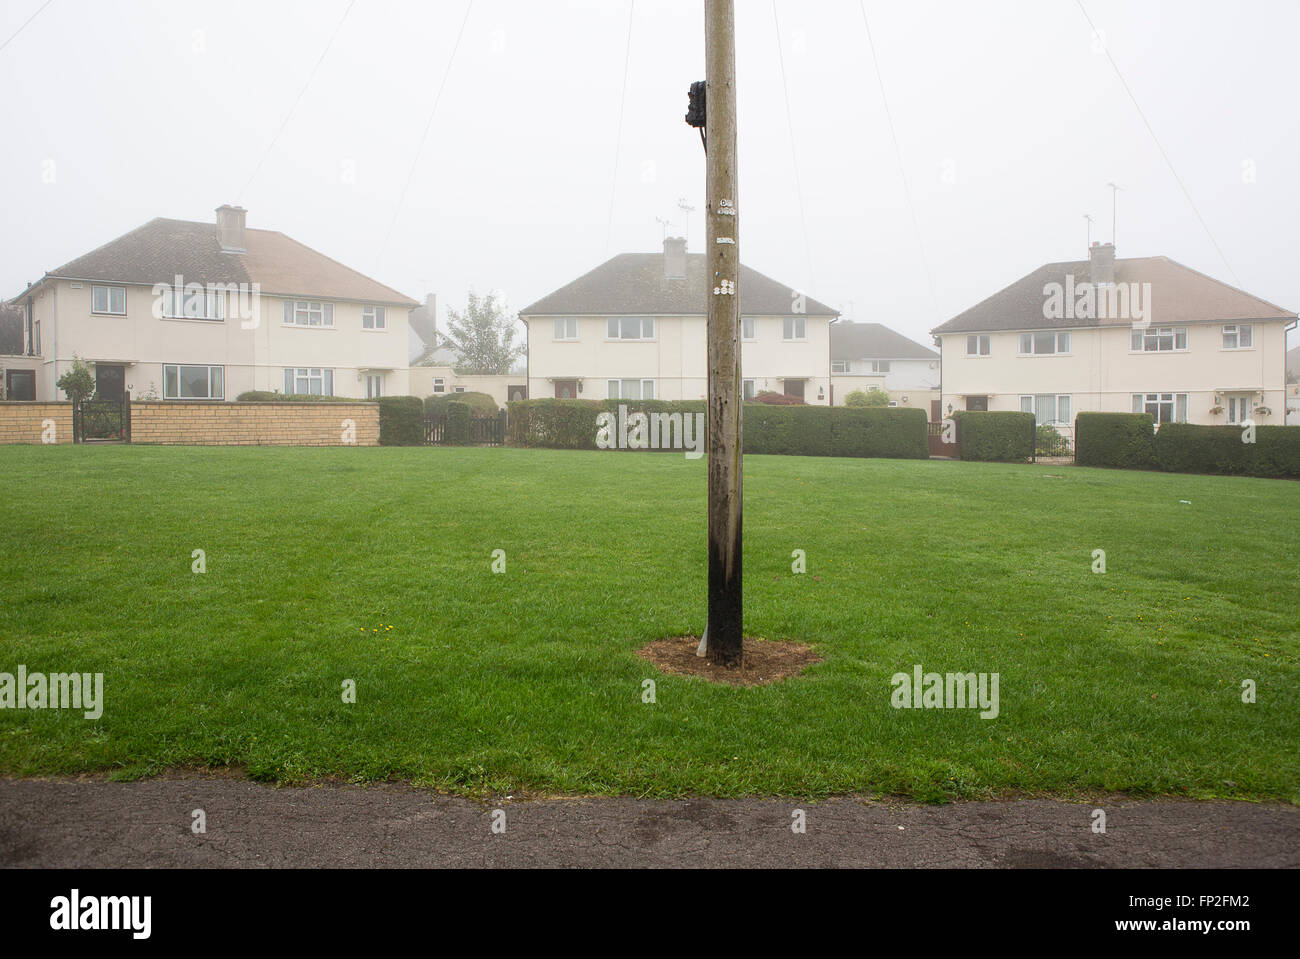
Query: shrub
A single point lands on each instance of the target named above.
(871, 398)
(776, 399)
(1114, 439)
(1005, 437)
(460, 424)
(481, 403)
(401, 421)
(796, 430)
(78, 382)
(1188, 448)
(267, 396)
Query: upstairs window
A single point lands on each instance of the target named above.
(180, 304)
(839, 366)
(1237, 336)
(794, 328)
(110, 300)
(977, 344)
(748, 328)
(566, 327)
(439, 385)
(308, 313)
(1163, 339)
(1044, 344)
(880, 366)
(372, 318)
(630, 328)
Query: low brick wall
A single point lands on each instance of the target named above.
(253, 424)
(27, 422)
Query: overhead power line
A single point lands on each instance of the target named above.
(618, 138)
(1155, 139)
(298, 99)
(25, 23)
(794, 155)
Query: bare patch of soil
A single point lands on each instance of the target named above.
(764, 661)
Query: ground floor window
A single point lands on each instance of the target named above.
(631, 389)
(439, 386)
(374, 386)
(182, 382)
(308, 381)
(20, 384)
(1163, 407)
(748, 388)
(1047, 407)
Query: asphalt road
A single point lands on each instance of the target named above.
(81, 824)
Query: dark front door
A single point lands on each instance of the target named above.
(20, 384)
(518, 393)
(936, 411)
(794, 388)
(566, 389)
(977, 404)
(110, 382)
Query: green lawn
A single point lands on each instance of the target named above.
(1128, 681)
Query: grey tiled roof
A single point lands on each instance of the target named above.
(873, 341)
(1179, 294)
(634, 283)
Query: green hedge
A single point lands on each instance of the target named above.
(266, 396)
(459, 430)
(401, 421)
(1186, 448)
(1003, 437)
(791, 430)
(1114, 439)
(481, 403)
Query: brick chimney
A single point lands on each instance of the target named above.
(1102, 266)
(675, 257)
(230, 228)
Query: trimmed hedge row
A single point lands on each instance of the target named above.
(482, 403)
(788, 430)
(1114, 439)
(998, 436)
(1126, 440)
(459, 430)
(401, 421)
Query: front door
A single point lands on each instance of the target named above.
(20, 384)
(110, 382)
(936, 411)
(518, 393)
(794, 388)
(566, 389)
(977, 404)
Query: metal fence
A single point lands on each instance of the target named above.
(102, 421)
(1053, 441)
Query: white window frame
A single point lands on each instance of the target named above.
(439, 385)
(614, 388)
(214, 305)
(300, 313)
(219, 393)
(1177, 403)
(302, 376)
(1060, 343)
(1239, 406)
(1139, 338)
(839, 366)
(374, 385)
(458, 389)
(566, 329)
(983, 344)
(1238, 332)
(109, 290)
(794, 329)
(619, 324)
(880, 366)
(749, 328)
(748, 390)
(372, 318)
(1029, 404)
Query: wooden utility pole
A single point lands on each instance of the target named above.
(722, 280)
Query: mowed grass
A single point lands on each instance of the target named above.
(528, 681)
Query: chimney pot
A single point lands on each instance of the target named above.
(230, 228)
(675, 257)
(1101, 264)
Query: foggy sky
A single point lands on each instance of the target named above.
(1010, 121)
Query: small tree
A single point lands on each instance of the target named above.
(78, 382)
(872, 397)
(483, 336)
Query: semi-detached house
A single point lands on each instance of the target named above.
(635, 328)
(182, 310)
